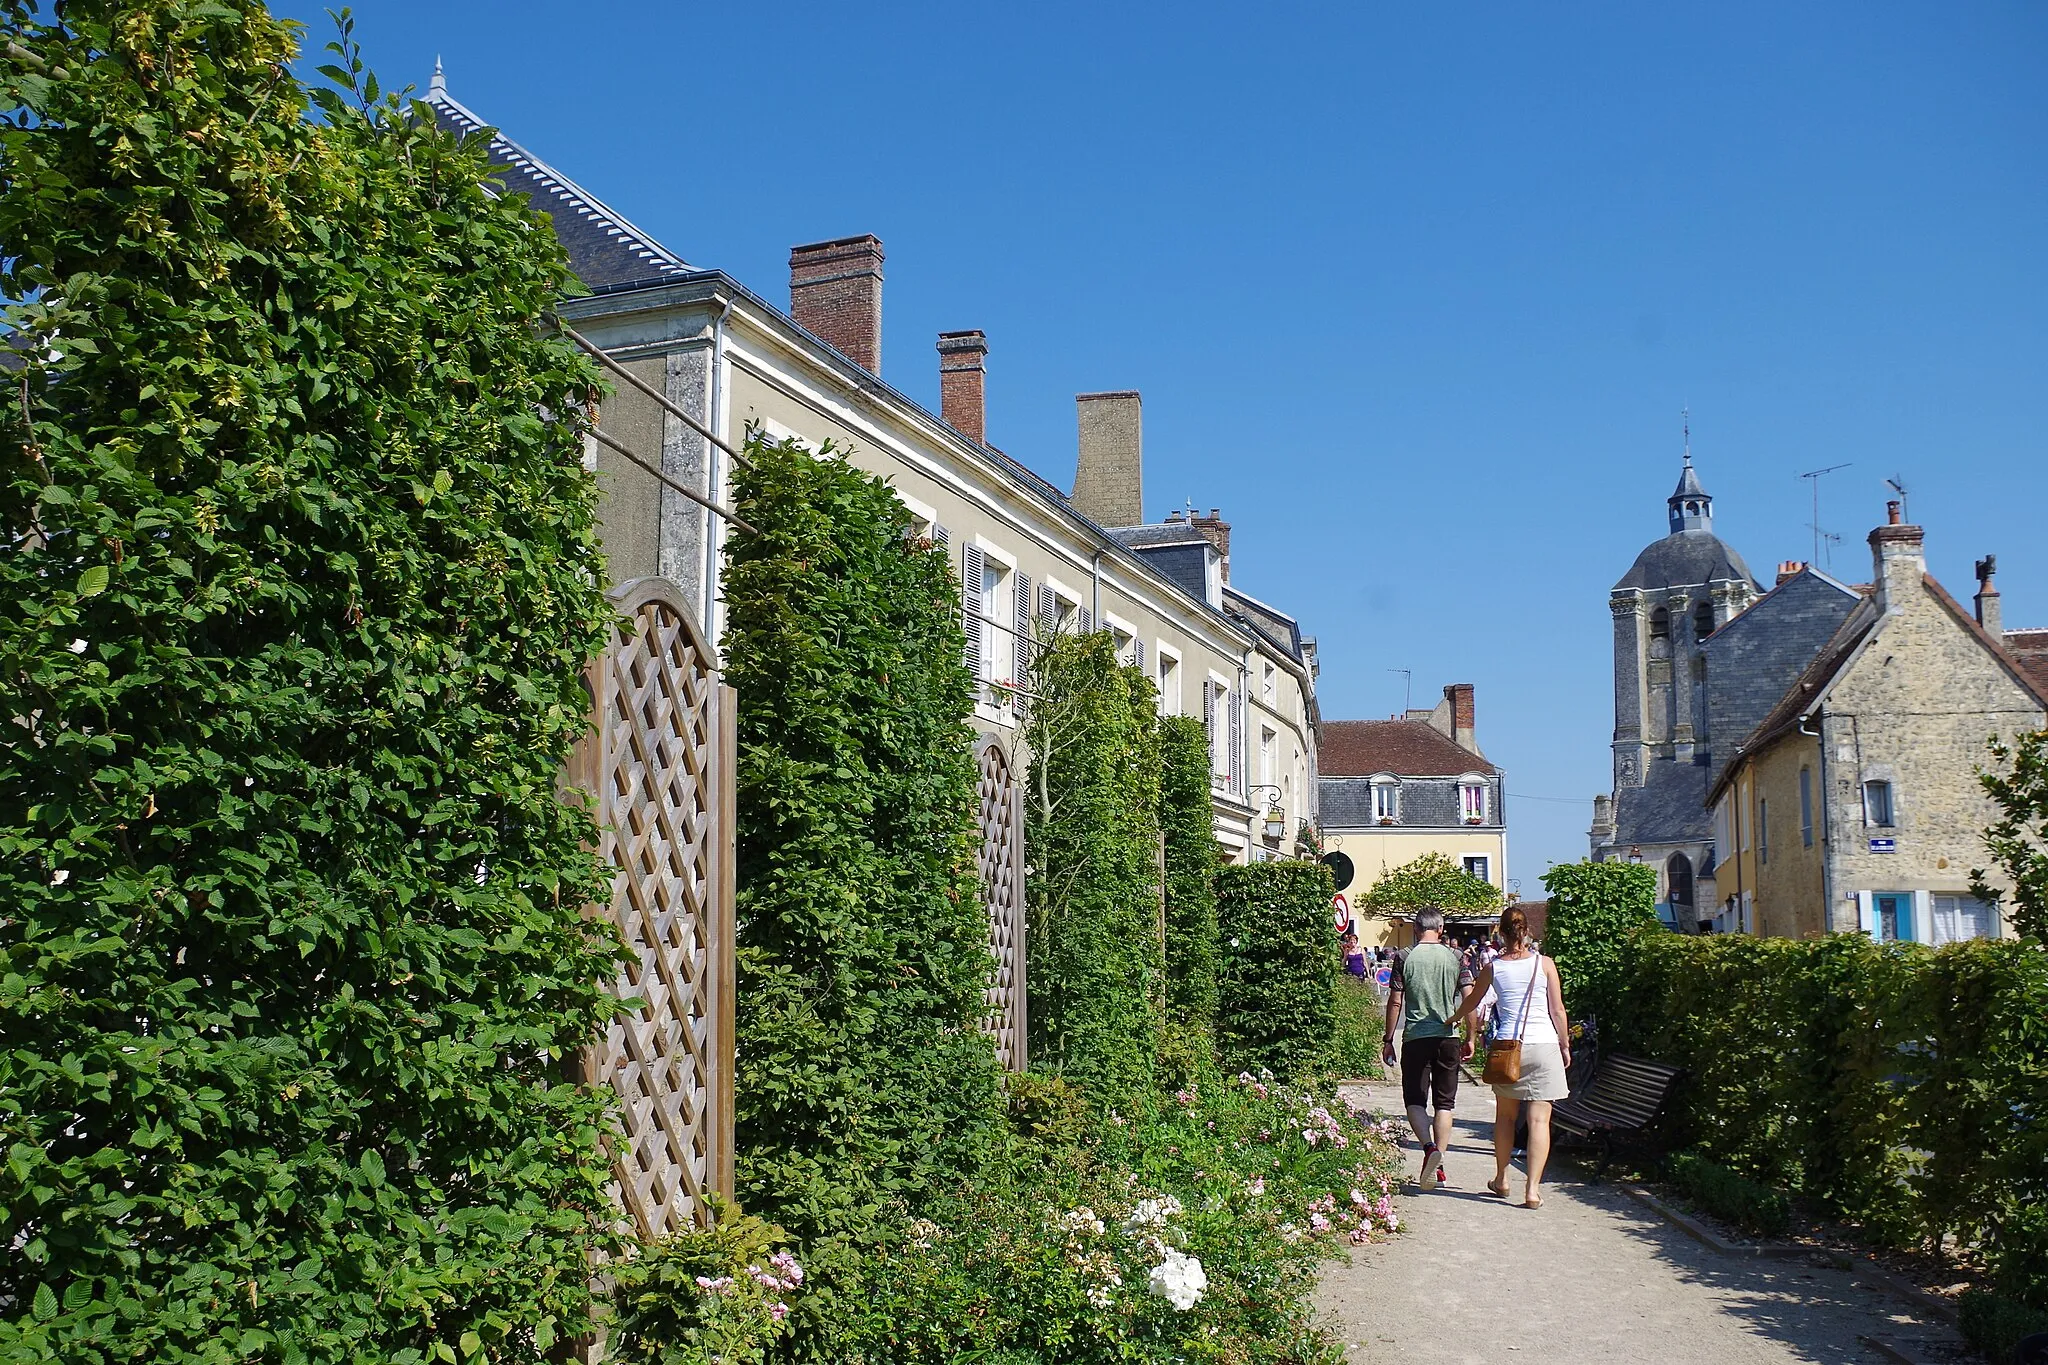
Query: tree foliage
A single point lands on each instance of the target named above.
(1432, 881)
(299, 582)
(1095, 970)
(1278, 1007)
(1594, 909)
(1187, 818)
(2018, 841)
(863, 944)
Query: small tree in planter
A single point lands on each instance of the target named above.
(1432, 881)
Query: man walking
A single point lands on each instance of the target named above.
(1429, 982)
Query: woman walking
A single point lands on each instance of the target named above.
(1529, 1009)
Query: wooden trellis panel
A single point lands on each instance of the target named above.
(660, 761)
(1002, 892)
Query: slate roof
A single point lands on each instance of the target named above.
(605, 250)
(1688, 484)
(1405, 748)
(1158, 533)
(1669, 808)
(1280, 630)
(1757, 655)
(1686, 558)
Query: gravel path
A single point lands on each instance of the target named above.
(1590, 1278)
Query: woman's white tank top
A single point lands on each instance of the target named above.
(1512, 980)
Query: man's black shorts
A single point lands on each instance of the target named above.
(1430, 1065)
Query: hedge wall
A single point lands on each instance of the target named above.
(298, 589)
(863, 1076)
(1277, 1006)
(1594, 910)
(1187, 817)
(1095, 971)
(1903, 1087)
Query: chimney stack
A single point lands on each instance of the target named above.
(1109, 477)
(963, 368)
(1788, 570)
(1464, 717)
(1216, 531)
(1898, 560)
(835, 294)
(1989, 614)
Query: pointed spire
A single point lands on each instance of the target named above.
(437, 88)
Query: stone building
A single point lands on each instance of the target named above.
(1026, 552)
(1393, 790)
(1677, 594)
(1854, 802)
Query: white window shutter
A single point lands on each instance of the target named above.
(941, 537)
(1048, 606)
(970, 615)
(1209, 714)
(1866, 913)
(1087, 621)
(1138, 655)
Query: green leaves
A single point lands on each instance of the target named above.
(1278, 1008)
(1594, 910)
(240, 968)
(1431, 881)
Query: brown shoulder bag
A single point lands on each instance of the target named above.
(1504, 1055)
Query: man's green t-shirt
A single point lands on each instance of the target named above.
(1433, 978)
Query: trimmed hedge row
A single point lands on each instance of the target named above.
(1904, 1087)
(1187, 819)
(1276, 1002)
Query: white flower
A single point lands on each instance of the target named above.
(1152, 1213)
(1179, 1280)
(1081, 1221)
(78, 646)
(60, 876)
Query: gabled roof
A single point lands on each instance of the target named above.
(1278, 629)
(2029, 649)
(605, 250)
(1405, 748)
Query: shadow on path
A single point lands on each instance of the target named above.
(1590, 1278)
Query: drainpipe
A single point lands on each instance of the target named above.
(714, 540)
(1827, 847)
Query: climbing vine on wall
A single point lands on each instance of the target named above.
(1096, 972)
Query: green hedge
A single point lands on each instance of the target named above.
(1277, 1006)
(1749, 1204)
(1996, 1325)
(863, 1076)
(1901, 1086)
(1361, 1025)
(1594, 909)
(1095, 972)
(298, 588)
(1187, 818)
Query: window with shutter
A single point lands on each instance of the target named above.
(1048, 607)
(1237, 742)
(941, 537)
(1087, 619)
(1209, 720)
(970, 615)
(1023, 624)
(1138, 654)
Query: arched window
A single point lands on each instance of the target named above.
(1678, 878)
(1703, 620)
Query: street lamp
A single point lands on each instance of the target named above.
(1276, 819)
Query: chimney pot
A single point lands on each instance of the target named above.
(1891, 513)
(1789, 569)
(1464, 715)
(1216, 531)
(1109, 476)
(963, 373)
(1990, 613)
(835, 293)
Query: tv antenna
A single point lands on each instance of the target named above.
(1897, 483)
(1818, 534)
(1407, 688)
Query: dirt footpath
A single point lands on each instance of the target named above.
(1590, 1278)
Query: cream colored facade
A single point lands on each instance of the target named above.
(1374, 852)
(1857, 804)
(738, 363)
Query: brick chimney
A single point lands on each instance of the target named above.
(1898, 560)
(1214, 529)
(963, 366)
(1788, 570)
(1109, 477)
(1464, 718)
(1989, 613)
(835, 294)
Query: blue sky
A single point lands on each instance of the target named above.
(1414, 297)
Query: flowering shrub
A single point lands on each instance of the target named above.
(719, 1295)
(1185, 1230)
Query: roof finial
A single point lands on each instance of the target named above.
(438, 86)
(1685, 420)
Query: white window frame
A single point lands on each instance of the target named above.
(1891, 804)
(1066, 607)
(923, 516)
(1938, 932)
(1386, 798)
(998, 626)
(1485, 861)
(1269, 686)
(1219, 729)
(1467, 785)
(1170, 700)
(1123, 635)
(1269, 746)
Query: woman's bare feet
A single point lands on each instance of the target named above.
(1499, 1187)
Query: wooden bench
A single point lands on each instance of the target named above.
(1626, 1095)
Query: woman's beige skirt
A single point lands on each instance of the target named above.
(1542, 1072)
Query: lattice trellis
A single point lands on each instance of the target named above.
(660, 760)
(1002, 892)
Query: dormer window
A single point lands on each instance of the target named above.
(1472, 794)
(1386, 799)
